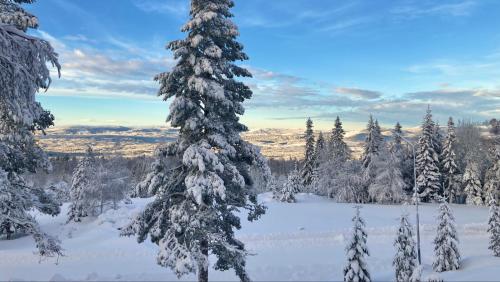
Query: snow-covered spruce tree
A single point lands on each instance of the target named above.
(396, 144)
(438, 139)
(290, 188)
(155, 179)
(193, 214)
(494, 227)
(274, 187)
(320, 149)
(24, 72)
(446, 253)
(356, 252)
(339, 149)
(295, 180)
(428, 174)
(84, 191)
(472, 184)
(492, 179)
(309, 156)
(388, 184)
(405, 259)
(405, 156)
(372, 142)
(449, 165)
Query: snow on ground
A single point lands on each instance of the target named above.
(300, 241)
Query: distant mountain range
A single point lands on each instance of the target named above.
(132, 141)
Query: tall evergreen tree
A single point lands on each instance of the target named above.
(320, 149)
(307, 171)
(449, 164)
(428, 174)
(338, 147)
(494, 228)
(372, 142)
(405, 156)
(84, 191)
(396, 145)
(472, 184)
(356, 252)
(193, 213)
(406, 256)
(446, 253)
(24, 72)
(379, 135)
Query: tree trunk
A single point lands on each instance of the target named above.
(203, 267)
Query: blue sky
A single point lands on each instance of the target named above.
(310, 58)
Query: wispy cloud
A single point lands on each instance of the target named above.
(179, 8)
(359, 93)
(88, 71)
(425, 8)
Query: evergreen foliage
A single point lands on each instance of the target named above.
(472, 184)
(494, 228)
(24, 61)
(193, 214)
(339, 149)
(446, 253)
(428, 174)
(307, 172)
(356, 252)
(84, 192)
(406, 256)
(449, 165)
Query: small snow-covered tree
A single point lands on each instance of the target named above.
(339, 150)
(446, 253)
(357, 251)
(194, 213)
(290, 188)
(405, 259)
(449, 165)
(307, 171)
(388, 184)
(24, 72)
(274, 187)
(428, 174)
(472, 184)
(494, 227)
(84, 191)
(295, 180)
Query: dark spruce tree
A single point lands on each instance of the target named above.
(24, 72)
(339, 149)
(451, 173)
(372, 142)
(307, 172)
(194, 211)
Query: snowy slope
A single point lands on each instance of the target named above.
(302, 241)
